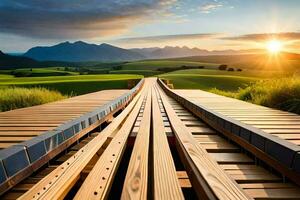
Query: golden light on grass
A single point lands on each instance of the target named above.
(274, 46)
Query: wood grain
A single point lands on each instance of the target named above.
(136, 180)
(214, 181)
(166, 184)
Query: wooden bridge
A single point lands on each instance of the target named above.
(149, 142)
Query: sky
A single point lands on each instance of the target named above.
(205, 24)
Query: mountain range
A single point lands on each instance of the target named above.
(81, 52)
(176, 52)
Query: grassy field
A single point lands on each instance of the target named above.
(157, 64)
(75, 85)
(284, 62)
(12, 97)
(208, 79)
(42, 72)
(280, 93)
(145, 73)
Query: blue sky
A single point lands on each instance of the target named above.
(206, 24)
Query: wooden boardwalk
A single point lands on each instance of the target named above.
(163, 145)
(23, 124)
(281, 124)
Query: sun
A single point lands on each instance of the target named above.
(274, 46)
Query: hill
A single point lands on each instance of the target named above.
(262, 61)
(7, 61)
(81, 52)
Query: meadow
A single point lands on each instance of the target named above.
(19, 92)
(206, 79)
(280, 93)
(157, 64)
(13, 97)
(70, 85)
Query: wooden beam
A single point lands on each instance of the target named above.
(214, 182)
(166, 183)
(136, 180)
(98, 183)
(59, 182)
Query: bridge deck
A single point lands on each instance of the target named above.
(281, 124)
(23, 124)
(164, 145)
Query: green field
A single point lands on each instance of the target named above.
(145, 73)
(157, 64)
(208, 79)
(75, 85)
(284, 62)
(42, 72)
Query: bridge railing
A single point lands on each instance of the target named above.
(19, 161)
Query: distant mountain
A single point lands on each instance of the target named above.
(8, 61)
(175, 52)
(82, 52)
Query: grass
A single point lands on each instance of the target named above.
(279, 93)
(214, 72)
(5, 76)
(209, 79)
(42, 72)
(156, 64)
(145, 73)
(284, 62)
(75, 85)
(13, 97)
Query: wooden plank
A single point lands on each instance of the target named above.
(166, 184)
(201, 130)
(98, 182)
(7, 144)
(33, 121)
(288, 136)
(266, 185)
(214, 182)
(274, 193)
(136, 180)
(219, 147)
(25, 128)
(229, 158)
(57, 184)
(273, 160)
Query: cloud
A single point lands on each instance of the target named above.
(265, 36)
(169, 38)
(73, 19)
(209, 7)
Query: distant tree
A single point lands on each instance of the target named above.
(239, 70)
(222, 67)
(200, 67)
(230, 69)
(118, 67)
(31, 69)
